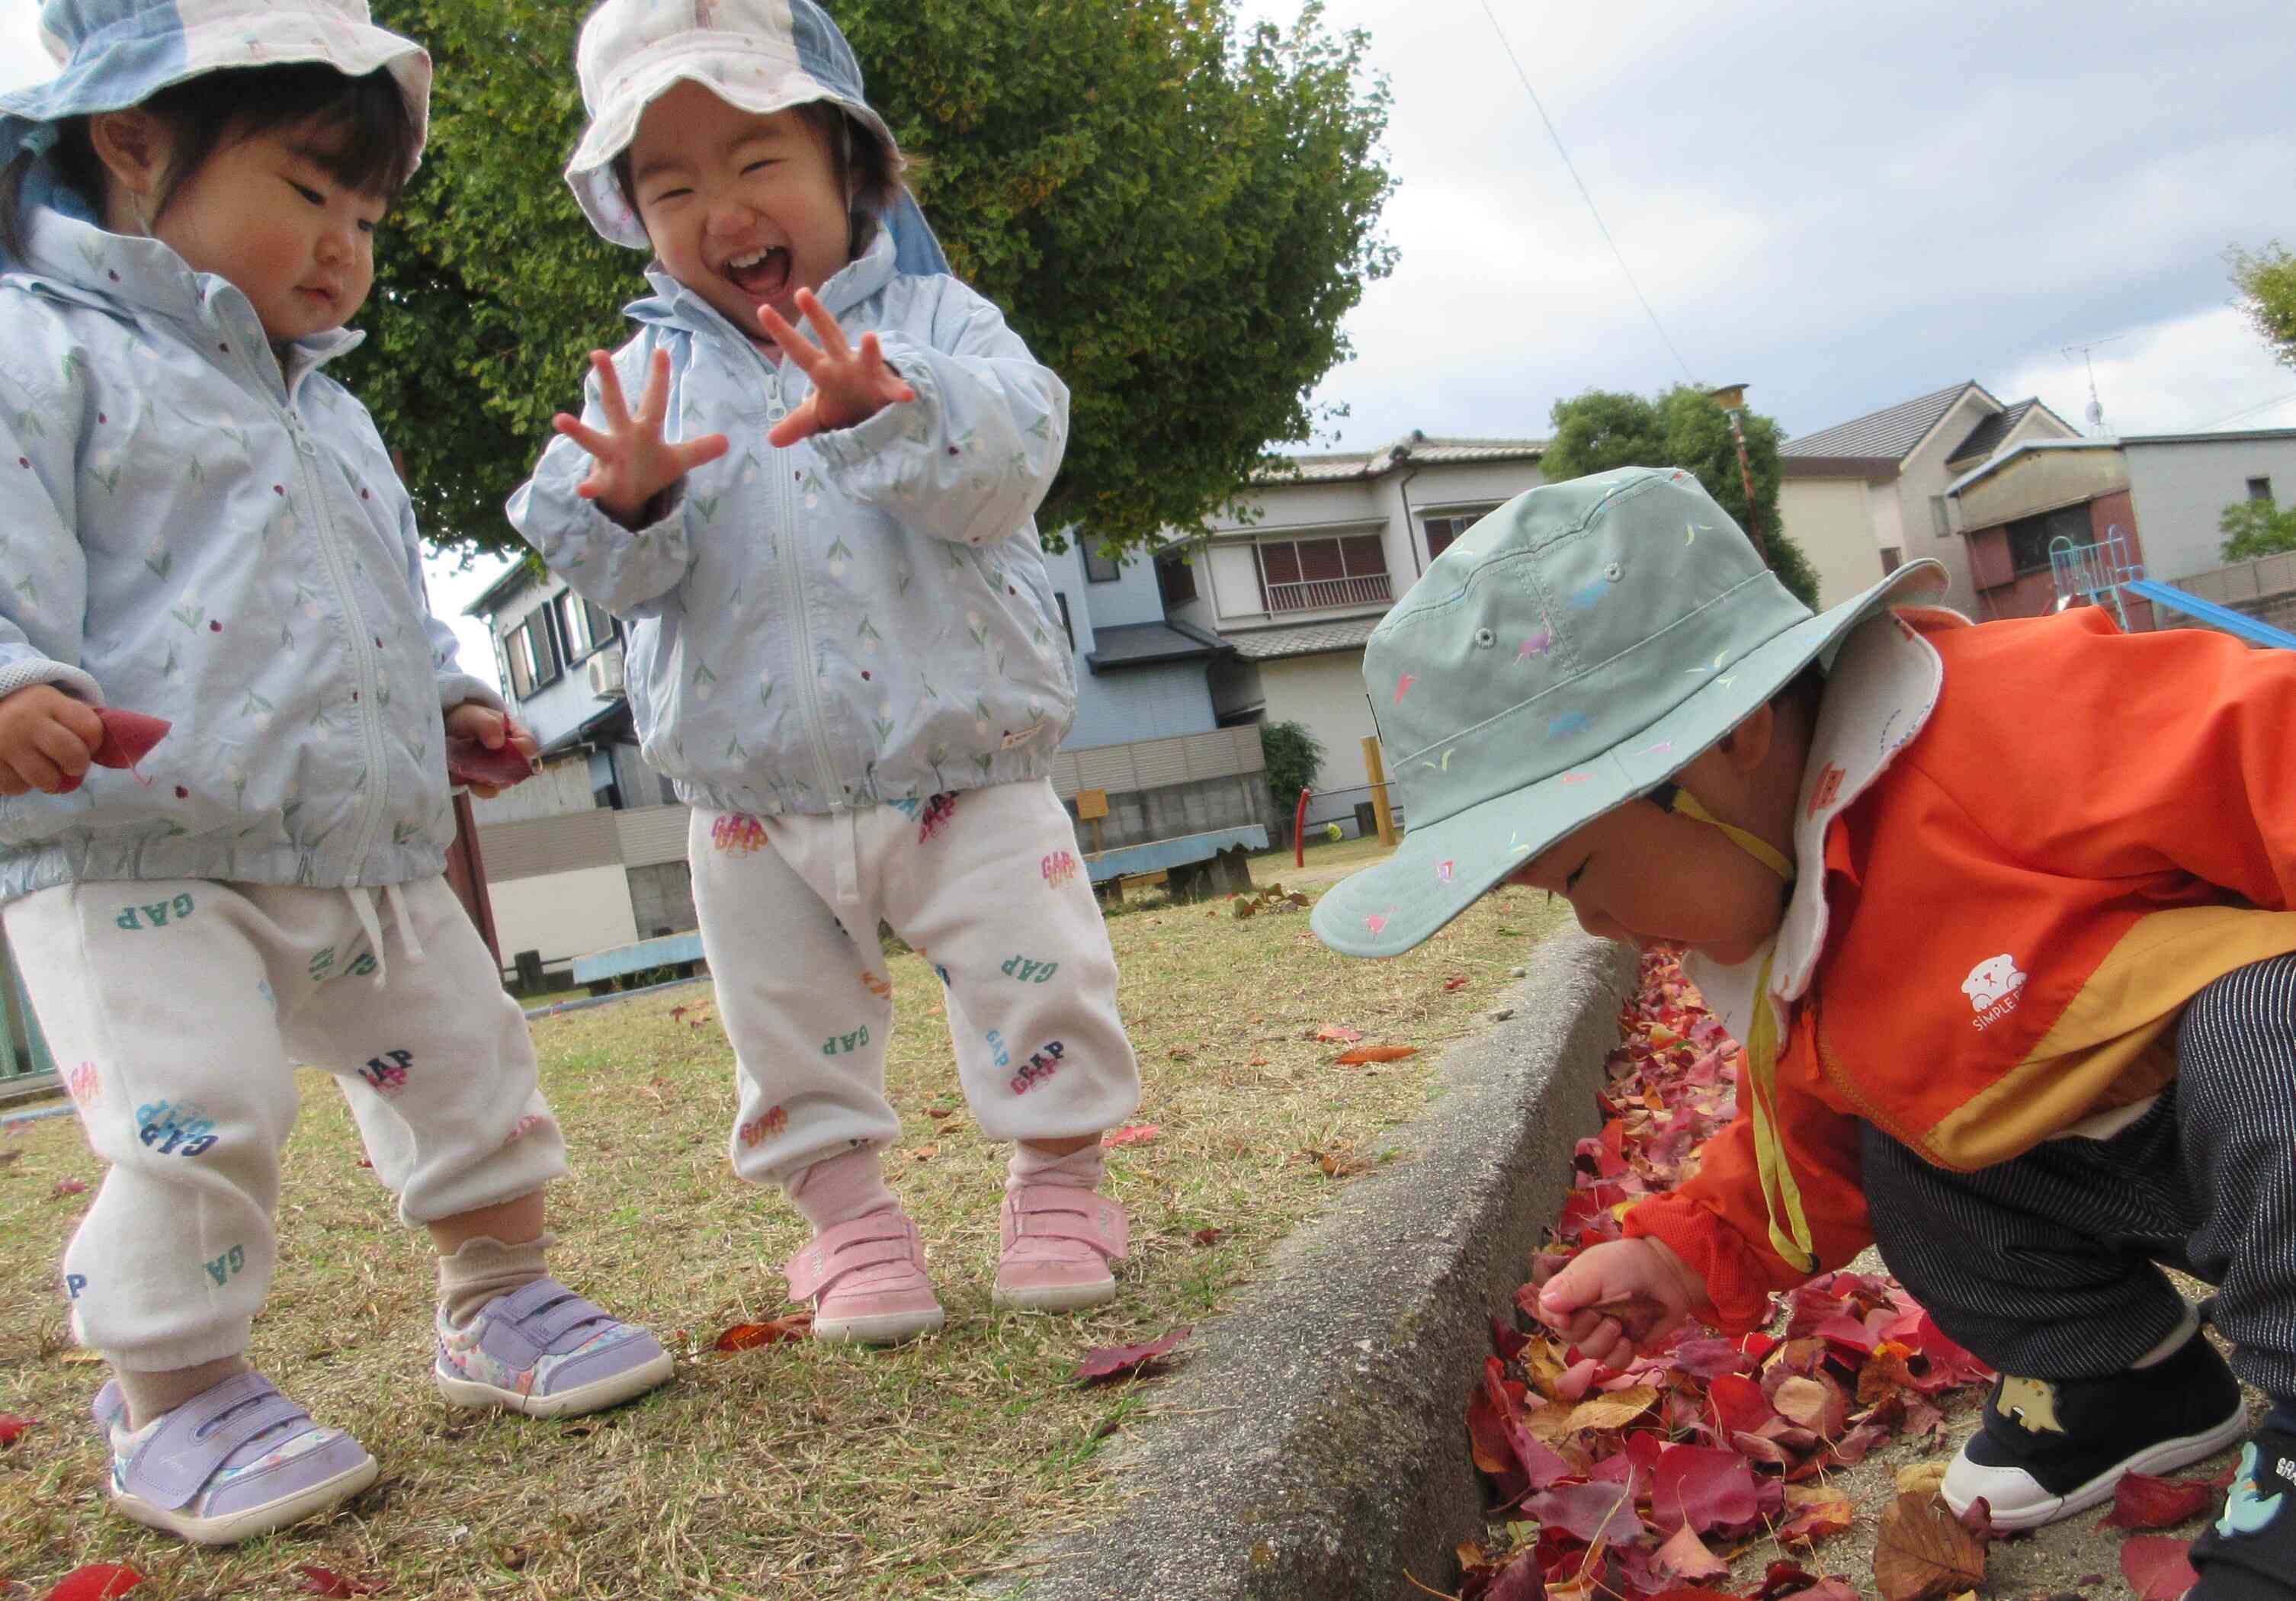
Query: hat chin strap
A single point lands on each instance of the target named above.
(1752, 844)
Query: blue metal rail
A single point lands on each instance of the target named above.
(2239, 624)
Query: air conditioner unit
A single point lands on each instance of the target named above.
(606, 671)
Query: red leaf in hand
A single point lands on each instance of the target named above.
(1638, 1315)
(468, 761)
(2141, 1501)
(1116, 1361)
(97, 1581)
(2156, 1568)
(325, 1582)
(12, 1426)
(1374, 1053)
(1136, 1134)
(1702, 1486)
(773, 1331)
(129, 737)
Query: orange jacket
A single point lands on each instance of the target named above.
(2088, 829)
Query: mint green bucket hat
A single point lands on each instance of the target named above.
(1573, 650)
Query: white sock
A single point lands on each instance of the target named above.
(1078, 1169)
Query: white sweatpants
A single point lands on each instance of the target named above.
(985, 886)
(176, 1010)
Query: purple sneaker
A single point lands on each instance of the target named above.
(545, 1352)
(238, 1461)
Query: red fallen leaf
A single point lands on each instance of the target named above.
(1703, 1486)
(1507, 1339)
(129, 737)
(1134, 1134)
(12, 1426)
(1519, 1581)
(325, 1582)
(1784, 1579)
(1208, 1236)
(71, 1187)
(1739, 1403)
(468, 761)
(1922, 1550)
(1331, 1033)
(1685, 1557)
(1117, 1361)
(1977, 1517)
(1454, 983)
(2139, 1501)
(773, 1331)
(1590, 1512)
(1374, 1053)
(1695, 1593)
(97, 1581)
(938, 1113)
(1817, 1512)
(2156, 1567)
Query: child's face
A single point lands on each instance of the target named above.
(263, 213)
(745, 210)
(1651, 876)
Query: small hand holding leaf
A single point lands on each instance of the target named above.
(850, 386)
(487, 753)
(632, 462)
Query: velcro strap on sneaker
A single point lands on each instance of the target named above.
(1057, 1211)
(566, 1325)
(200, 1436)
(864, 1243)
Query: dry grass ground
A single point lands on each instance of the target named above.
(795, 1471)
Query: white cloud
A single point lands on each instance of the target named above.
(23, 59)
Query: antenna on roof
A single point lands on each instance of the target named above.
(2096, 428)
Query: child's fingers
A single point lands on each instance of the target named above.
(832, 336)
(589, 439)
(653, 406)
(802, 423)
(610, 392)
(34, 771)
(794, 345)
(64, 750)
(80, 719)
(701, 452)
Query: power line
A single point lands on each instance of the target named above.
(2246, 411)
(1593, 210)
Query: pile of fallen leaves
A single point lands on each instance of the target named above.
(1271, 899)
(1645, 1480)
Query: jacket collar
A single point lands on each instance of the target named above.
(115, 272)
(1883, 687)
(674, 305)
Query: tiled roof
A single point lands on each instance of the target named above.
(1889, 433)
(1148, 643)
(1413, 449)
(1986, 438)
(1307, 639)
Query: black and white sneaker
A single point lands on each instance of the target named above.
(2249, 1552)
(2051, 1448)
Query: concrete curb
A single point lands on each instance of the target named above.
(1313, 1444)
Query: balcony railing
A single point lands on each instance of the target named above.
(1317, 595)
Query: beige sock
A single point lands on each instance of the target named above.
(1078, 1169)
(151, 1395)
(484, 1269)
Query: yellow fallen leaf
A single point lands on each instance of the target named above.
(1615, 1410)
(1922, 1478)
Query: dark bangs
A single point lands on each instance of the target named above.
(356, 130)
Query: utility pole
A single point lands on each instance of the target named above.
(1732, 399)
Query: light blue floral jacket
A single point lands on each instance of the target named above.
(864, 618)
(183, 532)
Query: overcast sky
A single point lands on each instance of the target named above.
(1840, 206)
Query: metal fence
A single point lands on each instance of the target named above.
(25, 1068)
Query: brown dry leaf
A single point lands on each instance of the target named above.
(940, 1112)
(1638, 1315)
(1924, 1551)
(1336, 1165)
(1922, 1478)
(1614, 1411)
(924, 1152)
(1332, 1033)
(1803, 1401)
(1374, 1053)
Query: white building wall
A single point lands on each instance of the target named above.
(2180, 490)
(565, 915)
(564, 785)
(1326, 693)
(1832, 520)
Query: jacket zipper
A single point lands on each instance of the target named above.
(362, 650)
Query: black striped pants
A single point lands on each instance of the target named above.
(2045, 1266)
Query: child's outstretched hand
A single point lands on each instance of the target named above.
(47, 741)
(850, 386)
(500, 754)
(1615, 1297)
(632, 463)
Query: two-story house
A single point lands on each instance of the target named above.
(1295, 584)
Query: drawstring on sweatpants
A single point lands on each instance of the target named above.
(363, 907)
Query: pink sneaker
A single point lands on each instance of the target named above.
(1058, 1244)
(866, 1281)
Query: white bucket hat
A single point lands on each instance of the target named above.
(761, 55)
(118, 53)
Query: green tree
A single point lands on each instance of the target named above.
(2267, 279)
(1294, 758)
(2256, 528)
(1176, 211)
(1600, 431)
